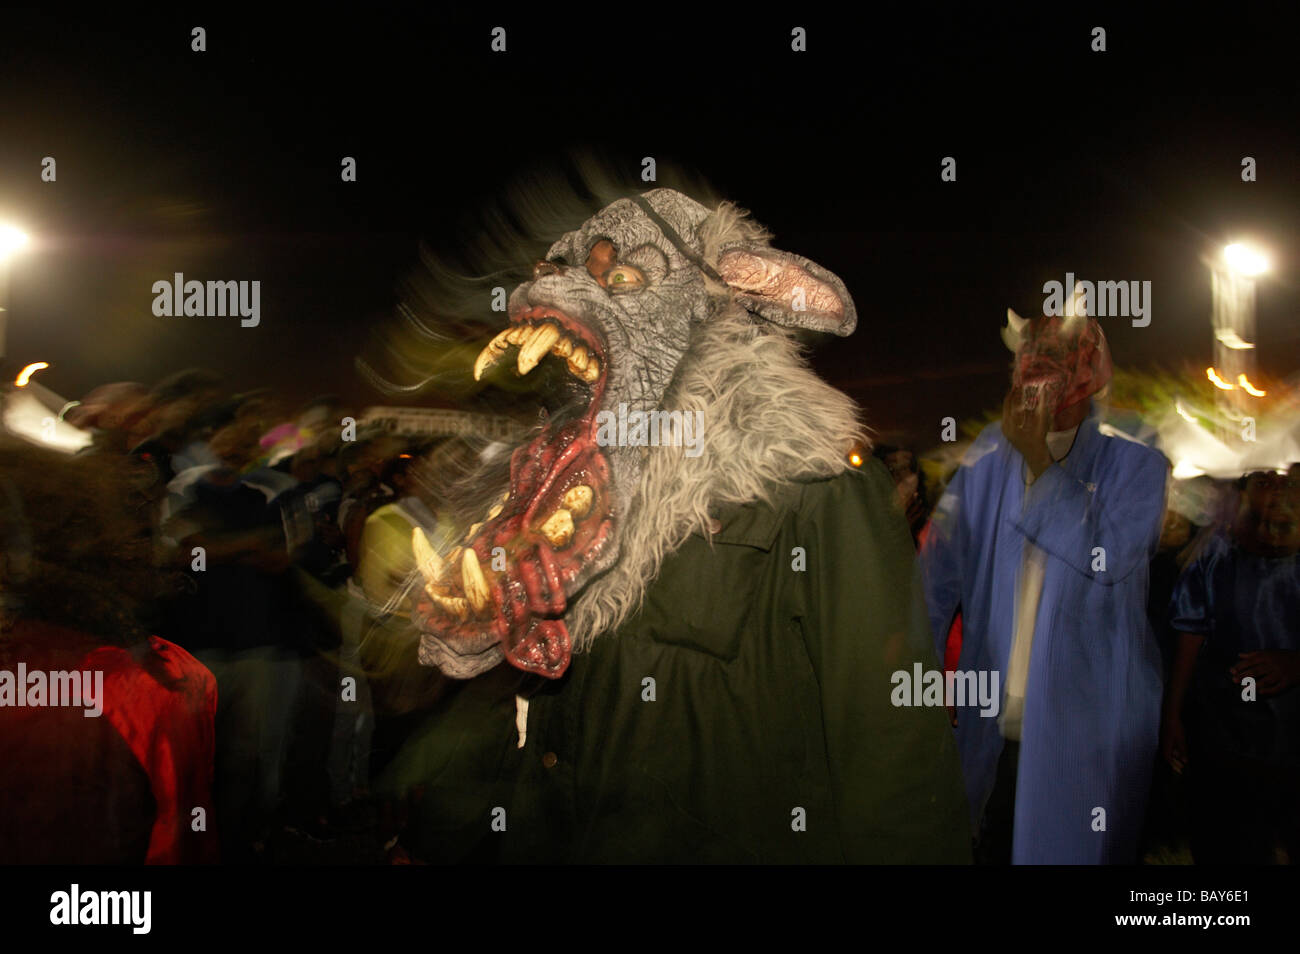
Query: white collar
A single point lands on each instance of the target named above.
(1059, 443)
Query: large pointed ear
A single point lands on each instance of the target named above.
(788, 289)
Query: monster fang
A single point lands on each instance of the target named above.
(534, 343)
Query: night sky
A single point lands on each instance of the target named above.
(1123, 165)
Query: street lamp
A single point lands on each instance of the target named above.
(12, 240)
(1245, 260)
(1233, 292)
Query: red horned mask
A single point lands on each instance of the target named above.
(1060, 360)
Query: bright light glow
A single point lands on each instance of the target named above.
(1244, 260)
(1186, 470)
(855, 460)
(1248, 387)
(26, 373)
(1183, 414)
(11, 240)
(1217, 381)
(29, 418)
(1230, 339)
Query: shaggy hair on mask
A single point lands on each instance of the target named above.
(768, 420)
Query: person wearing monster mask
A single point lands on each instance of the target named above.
(678, 623)
(1043, 540)
(1232, 711)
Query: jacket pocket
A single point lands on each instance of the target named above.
(707, 599)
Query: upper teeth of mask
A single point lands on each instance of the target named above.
(533, 344)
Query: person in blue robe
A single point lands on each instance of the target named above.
(1232, 710)
(1043, 540)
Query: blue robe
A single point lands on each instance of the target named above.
(1092, 706)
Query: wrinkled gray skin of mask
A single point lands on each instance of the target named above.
(648, 330)
(644, 329)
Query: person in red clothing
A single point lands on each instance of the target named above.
(119, 769)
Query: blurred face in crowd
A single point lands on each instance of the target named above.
(126, 414)
(140, 414)
(307, 464)
(167, 419)
(368, 463)
(111, 410)
(236, 444)
(900, 464)
(1175, 531)
(1267, 518)
(901, 469)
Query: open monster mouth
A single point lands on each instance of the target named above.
(1041, 388)
(509, 582)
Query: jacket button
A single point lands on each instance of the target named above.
(715, 525)
(549, 760)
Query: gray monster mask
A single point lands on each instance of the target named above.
(616, 303)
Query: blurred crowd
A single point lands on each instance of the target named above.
(269, 542)
(239, 569)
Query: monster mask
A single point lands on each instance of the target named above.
(1060, 361)
(615, 307)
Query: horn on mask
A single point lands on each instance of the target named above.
(1077, 306)
(1014, 331)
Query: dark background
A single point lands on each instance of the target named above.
(1123, 165)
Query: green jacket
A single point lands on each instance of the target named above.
(768, 733)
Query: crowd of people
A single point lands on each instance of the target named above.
(232, 554)
(240, 572)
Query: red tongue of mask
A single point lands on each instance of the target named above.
(533, 555)
(1065, 356)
